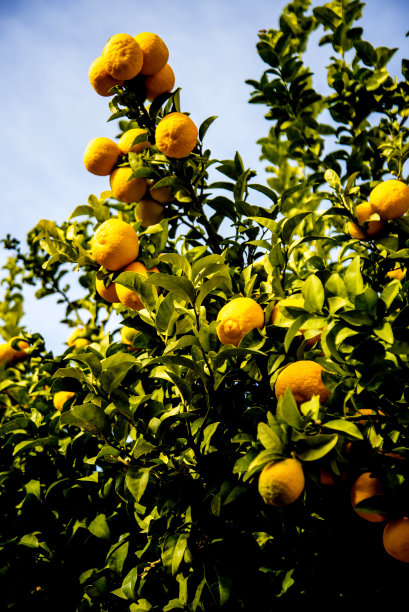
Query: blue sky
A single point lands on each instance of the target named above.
(49, 112)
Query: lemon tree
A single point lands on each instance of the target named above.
(224, 445)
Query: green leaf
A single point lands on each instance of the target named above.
(108, 451)
(140, 285)
(89, 417)
(326, 16)
(181, 343)
(17, 423)
(266, 456)
(268, 437)
(366, 52)
(178, 261)
(293, 330)
(38, 442)
(207, 436)
(216, 282)
(315, 447)
(129, 583)
(30, 540)
(184, 389)
(291, 223)
(178, 360)
(99, 527)
(71, 373)
(265, 222)
(92, 361)
(346, 427)
(313, 291)
(228, 353)
(385, 332)
(225, 585)
(143, 605)
(173, 551)
(264, 190)
(137, 481)
(198, 594)
(141, 448)
(288, 412)
(115, 368)
(166, 314)
(205, 126)
(203, 262)
(180, 286)
(390, 292)
(178, 552)
(117, 554)
(81, 210)
(332, 179)
(353, 278)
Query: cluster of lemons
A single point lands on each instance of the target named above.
(115, 244)
(388, 200)
(123, 58)
(396, 532)
(282, 482)
(9, 355)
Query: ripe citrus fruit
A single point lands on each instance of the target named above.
(364, 487)
(60, 398)
(8, 354)
(127, 297)
(304, 380)
(159, 83)
(100, 80)
(390, 199)
(101, 155)
(282, 482)
(109, 293)
(155, 52)
(149, 212)
(396, 539)
(237, 318)
(398, 272)
(163, 195)
(125, 189)
(176, 135)
(277, 315)
(127, 138)
(78, 338)
(115, 244)
(363, 212)
(122, 57)
(128, 335)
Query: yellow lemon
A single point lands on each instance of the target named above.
(237, 318)
(127, 297)
(101, 155)
(100, 80)
(176, 135)
(281, 482)
(122, 57)
(125, 189)
(155, 52)
(115, 244)
(390, 199)
(304, 380)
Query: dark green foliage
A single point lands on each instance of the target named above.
(142, 494)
